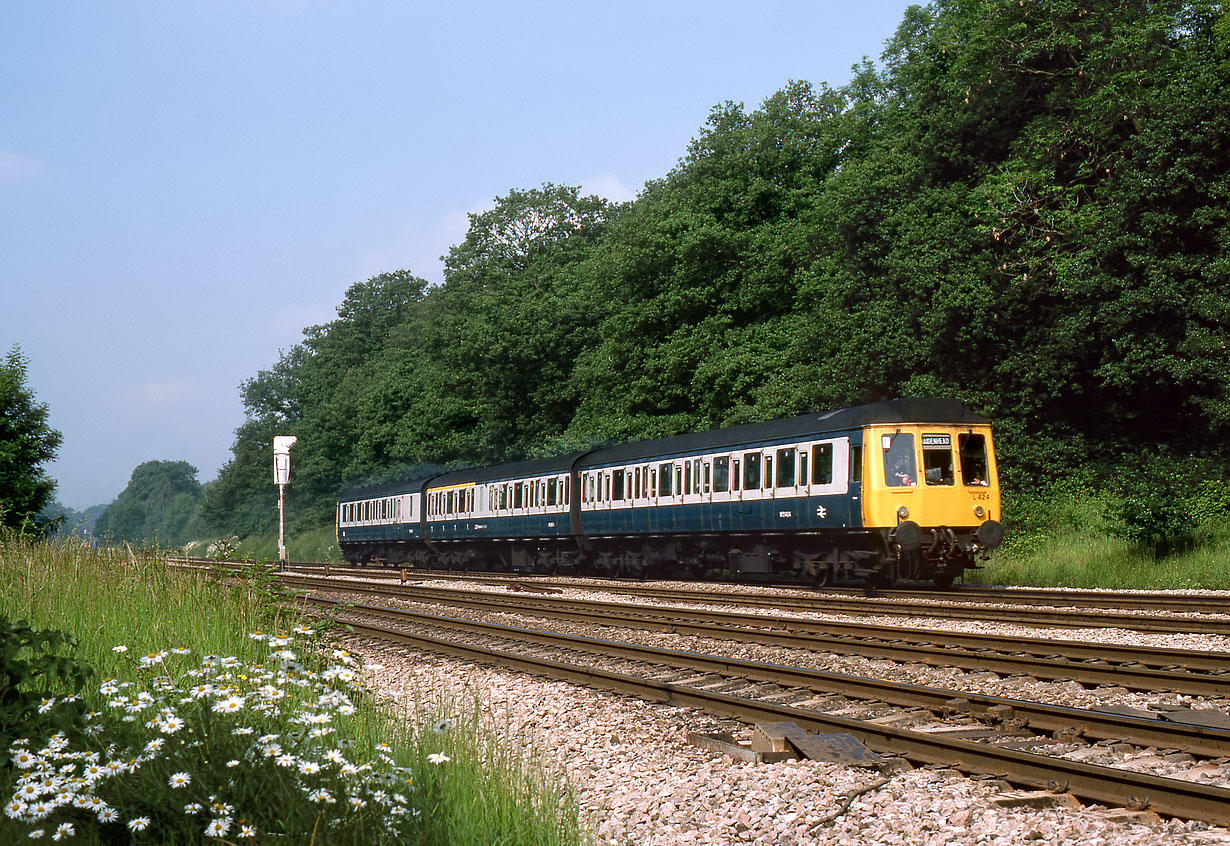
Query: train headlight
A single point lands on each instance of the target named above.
(979, 511)
(903, 512)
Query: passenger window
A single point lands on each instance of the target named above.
(721, 474)
(751, 471)
(617, 485)
(665, 474)
(687, 477)
(551, 496)
(518, 495)
(785, 468)
(822, 464)
(900, 469)
(974, 459)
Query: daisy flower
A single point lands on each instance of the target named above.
(65, 830)
(229, 705)
(246, 831)
(178, 780)
(138, 824)
(217, 827)
(438, 758)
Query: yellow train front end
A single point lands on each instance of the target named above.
(931, 491)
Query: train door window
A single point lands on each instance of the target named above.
(518, 494)
(973, 449)
(653, 482)
(636, 483)
(735, 478)
(721, 474)
(822, 464)
(696, 484)
(803, 467)
(666, 474)
(900, 467)
(679, 480)
(564, 487)
(768, 471)
(470, 501)
(706, 479)
(785, 467)
(751, 471)
(937, 459)
(551, 491)
(687, 477)
(617, 485)
(856, 463)
(606, 487)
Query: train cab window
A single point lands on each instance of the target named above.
(973, 449)
(785, 468)
(856, 463)
(721, 474)
(751, 471)
(822, 464)
(937, 459)
(900, 467)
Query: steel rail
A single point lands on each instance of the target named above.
(991, 710)
(1091, 783)
(968, 652)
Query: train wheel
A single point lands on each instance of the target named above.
(823, 576)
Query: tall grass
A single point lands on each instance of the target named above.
(468, 784)
(1066, 537)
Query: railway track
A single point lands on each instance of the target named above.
(1135, 668)
(715, 678)
(1149, 601)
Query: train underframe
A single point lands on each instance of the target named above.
(871, 556)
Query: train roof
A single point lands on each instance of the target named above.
(918, 410)
(914, 410)
(387, 489)
(517, 470)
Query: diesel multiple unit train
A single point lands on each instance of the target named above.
(903, 489)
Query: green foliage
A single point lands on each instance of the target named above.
(1025, 207)
(1163, 502)
(26, 443)
(158, 504)
(38, 668)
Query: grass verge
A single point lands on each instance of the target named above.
(195, 726)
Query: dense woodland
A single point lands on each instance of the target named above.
(1025, 205)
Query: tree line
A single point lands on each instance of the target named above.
(1022, 205)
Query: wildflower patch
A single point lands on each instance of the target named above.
(215, 748)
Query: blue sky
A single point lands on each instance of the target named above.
(185, 186)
